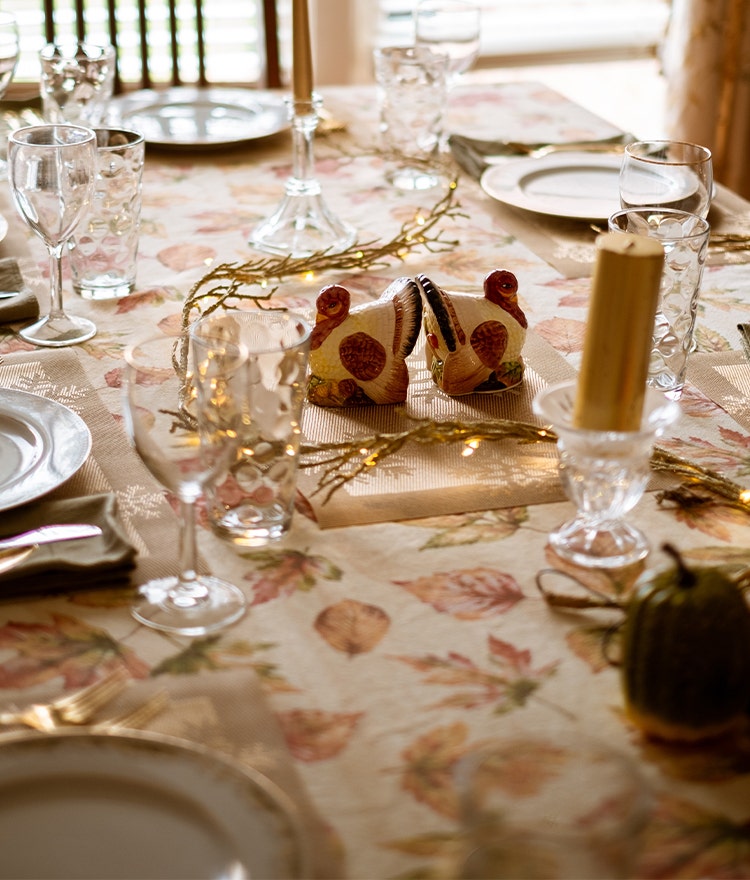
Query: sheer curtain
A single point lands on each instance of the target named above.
(707, 68)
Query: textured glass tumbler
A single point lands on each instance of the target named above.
(253, 504)
(77, 81)
(104, 247)
(604, 473)
(685, 240)
(412, 92)
(550, 806)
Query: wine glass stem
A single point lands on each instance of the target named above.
(190, 591)
(55, 272)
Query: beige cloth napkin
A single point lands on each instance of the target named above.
(106, 560)
(227, 711)
(24, 304)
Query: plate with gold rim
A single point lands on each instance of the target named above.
(137, 804)
(579, 186)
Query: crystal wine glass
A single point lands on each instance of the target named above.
(450, 27)
(667, 174)
(52, 172)
(182, 410)
(9, 51)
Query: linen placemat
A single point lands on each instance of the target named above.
(568, 245)
(227, 711)
(112, 467)
(436, 479)
(724, 377)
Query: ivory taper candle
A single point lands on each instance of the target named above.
(619, 332)
(301, 52)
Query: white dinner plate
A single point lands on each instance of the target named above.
(190, 117)
(582, 186)
(139, 805)
(3, 227)
(42, 443)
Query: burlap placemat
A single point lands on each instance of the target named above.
(436, 479)
(568, 245)
(112, 466)
(724, 377)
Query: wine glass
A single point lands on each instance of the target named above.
(9, 51)
(450, 27)
(52, 172)
(182, 409)
(667, 174)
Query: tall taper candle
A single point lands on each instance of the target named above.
(301, 52)
(619, 332)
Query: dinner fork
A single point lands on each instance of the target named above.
(134, 718)
(77, 708)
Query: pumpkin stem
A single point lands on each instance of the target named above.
(685, 577)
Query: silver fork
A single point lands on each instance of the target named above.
(77, 708)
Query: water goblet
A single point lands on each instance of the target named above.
(604, 473)
(450, 27)
(667, 174)
(9, 52)
(182, 407)
(77, 81)
(52, 172)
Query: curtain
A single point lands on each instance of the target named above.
(706, 61)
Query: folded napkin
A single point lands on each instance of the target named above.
(104, 561)
(21, 306)
(473, 154)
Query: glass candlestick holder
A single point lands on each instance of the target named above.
(302, 224)
(604, 474)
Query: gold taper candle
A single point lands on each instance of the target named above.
(301, 52)
(619, 332)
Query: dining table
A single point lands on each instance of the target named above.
(415, 611)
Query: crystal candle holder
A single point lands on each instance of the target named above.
(302, 224)
(604, 473)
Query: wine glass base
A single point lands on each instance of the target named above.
(161, 607)
(58, 331)
(604, 545)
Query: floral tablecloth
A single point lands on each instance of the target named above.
(385, 652)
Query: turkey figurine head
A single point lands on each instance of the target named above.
(474, 343)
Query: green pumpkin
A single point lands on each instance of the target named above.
(686, 653)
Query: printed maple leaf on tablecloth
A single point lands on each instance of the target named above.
(66, 647)
(283, 572)
(515, 682)
(473, 528)
(468, 593)
(222, 652)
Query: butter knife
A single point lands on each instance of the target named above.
(49, 535)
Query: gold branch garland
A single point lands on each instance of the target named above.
(223, 286)
(344, 461)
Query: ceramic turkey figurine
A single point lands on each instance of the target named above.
(474, 343)
(357, 356)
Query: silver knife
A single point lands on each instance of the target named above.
(50, 534)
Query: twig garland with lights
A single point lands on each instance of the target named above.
(224, 285)
(344, 461)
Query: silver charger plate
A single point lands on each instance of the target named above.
(42, 444)
(200, 118)
(84, 805)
